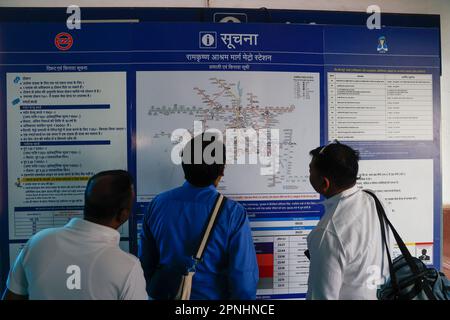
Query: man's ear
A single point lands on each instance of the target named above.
(123, 216)
(326, 184)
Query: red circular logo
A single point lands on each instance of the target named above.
(63, 41)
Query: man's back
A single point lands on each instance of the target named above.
(52, 261)
(172, 229)
(346, 249)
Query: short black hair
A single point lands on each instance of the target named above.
(107, 193)
(201, 173)
(338, 162)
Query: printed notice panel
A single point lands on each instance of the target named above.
(62, 129)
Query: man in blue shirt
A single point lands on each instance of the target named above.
(174, 222)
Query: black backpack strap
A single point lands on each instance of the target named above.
(380, 209)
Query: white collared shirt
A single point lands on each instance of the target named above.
(348, 259)
(81, 260)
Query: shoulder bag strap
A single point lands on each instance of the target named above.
(380, 212)
(214, 214)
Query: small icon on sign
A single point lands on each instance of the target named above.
(382, 45)
(208, 39)
(15, 101)
(227, 17)
(16, 79)
(230, 19)
(63, 41)
(424, 255)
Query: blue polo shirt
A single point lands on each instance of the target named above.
(172, 229)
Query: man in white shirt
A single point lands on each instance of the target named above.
(82, 260)
(347, 256)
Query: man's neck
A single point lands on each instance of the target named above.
(336, 191)
(109, 224)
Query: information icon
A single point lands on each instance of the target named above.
(208, 39)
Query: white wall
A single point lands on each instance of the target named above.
(441, 7)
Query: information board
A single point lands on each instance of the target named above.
(110, 95)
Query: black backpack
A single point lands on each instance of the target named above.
(410, 278)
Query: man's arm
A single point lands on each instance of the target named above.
(243, 268)
(326, 267)
(135, 288)
(148, 250)
(17, 283)
(9, 295)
